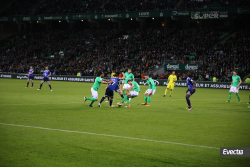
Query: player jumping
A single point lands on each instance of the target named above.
(171, 81)
(150, 91)
(191, 90)
(95, 87)
(235, 86)
(110, 90)
(30, 75)
(46, 75)
(135, 93)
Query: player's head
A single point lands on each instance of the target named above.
(31, 67)
(234, 72)
(99, 73)
(130, 82)
(129, 70)
(46, 67)
(173, 72)
(116, 74)
(146, 76)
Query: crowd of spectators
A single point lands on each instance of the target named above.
(55, 7)
(90, 50)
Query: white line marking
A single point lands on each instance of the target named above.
(124, 137)
(113, 101)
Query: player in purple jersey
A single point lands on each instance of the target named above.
(30, 77)
(110, 90)
(191, 90)
(46, 74)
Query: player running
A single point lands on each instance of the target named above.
(132, 94)
(171, 81)
(127, 76)
(191, 90)
(110, 90)
(30, 75)
(150, 91)
(235, 86)
(46, 75)
(94, 89)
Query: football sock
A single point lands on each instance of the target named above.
(230, 94)
(92, 101)
(90, 98)
(27, 84)
(122, 96)
(124, 99)
(50, 86)
(110, 102)
(41, 86)
(128, 102)
(32, 84)
(237, 94)
(149, 99)
(124, 93)
(188, 101)
(103, 98)
(171, 92)
(108, 98)
(166, 91)
(145, 98)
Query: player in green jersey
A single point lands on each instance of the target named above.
(135, 93)
(127, 76)
(235, 86)
(150, 91)
(94, 89)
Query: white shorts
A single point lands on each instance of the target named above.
(94, 93)
(149, 90)
(134, 93)
(234, 89)
(126, 86)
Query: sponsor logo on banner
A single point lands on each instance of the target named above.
(39, 18)
(66, 17)
(191, 67)
(143, 14)
(161, 14)
(5, 76)
(96, 17)
(235, 151)
(3, 19)
(180, 13)
(127, 15)
(209, 15)
(111, 15)
(22, 77)
(52, 17)
(173, 67)
(144, 82)
(26, 18)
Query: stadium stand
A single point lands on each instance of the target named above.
(143, 50)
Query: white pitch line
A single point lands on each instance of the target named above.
(106, 135)
(115, 99)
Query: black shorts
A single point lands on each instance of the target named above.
(45, 80)
(31, 78)
(109, 93)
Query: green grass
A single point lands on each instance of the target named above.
(211, 123)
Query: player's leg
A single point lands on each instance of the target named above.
(145, 97)
(151, 92)
(103, 98)
(237, 94)
(189, 93)
(111, 101)
(93, 98)
(230, 94)
(27, 84)
(171, 90)
(41, 85)
(166, 91)
(49, 85)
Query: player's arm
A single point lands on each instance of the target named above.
(131, 87)
(194, 83)
(231, 84)
(239, 83)
(105, 82)
(49, 75)
(175, 79)
(123, 75)
(133, 78)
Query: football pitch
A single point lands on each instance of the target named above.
(44, 128)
